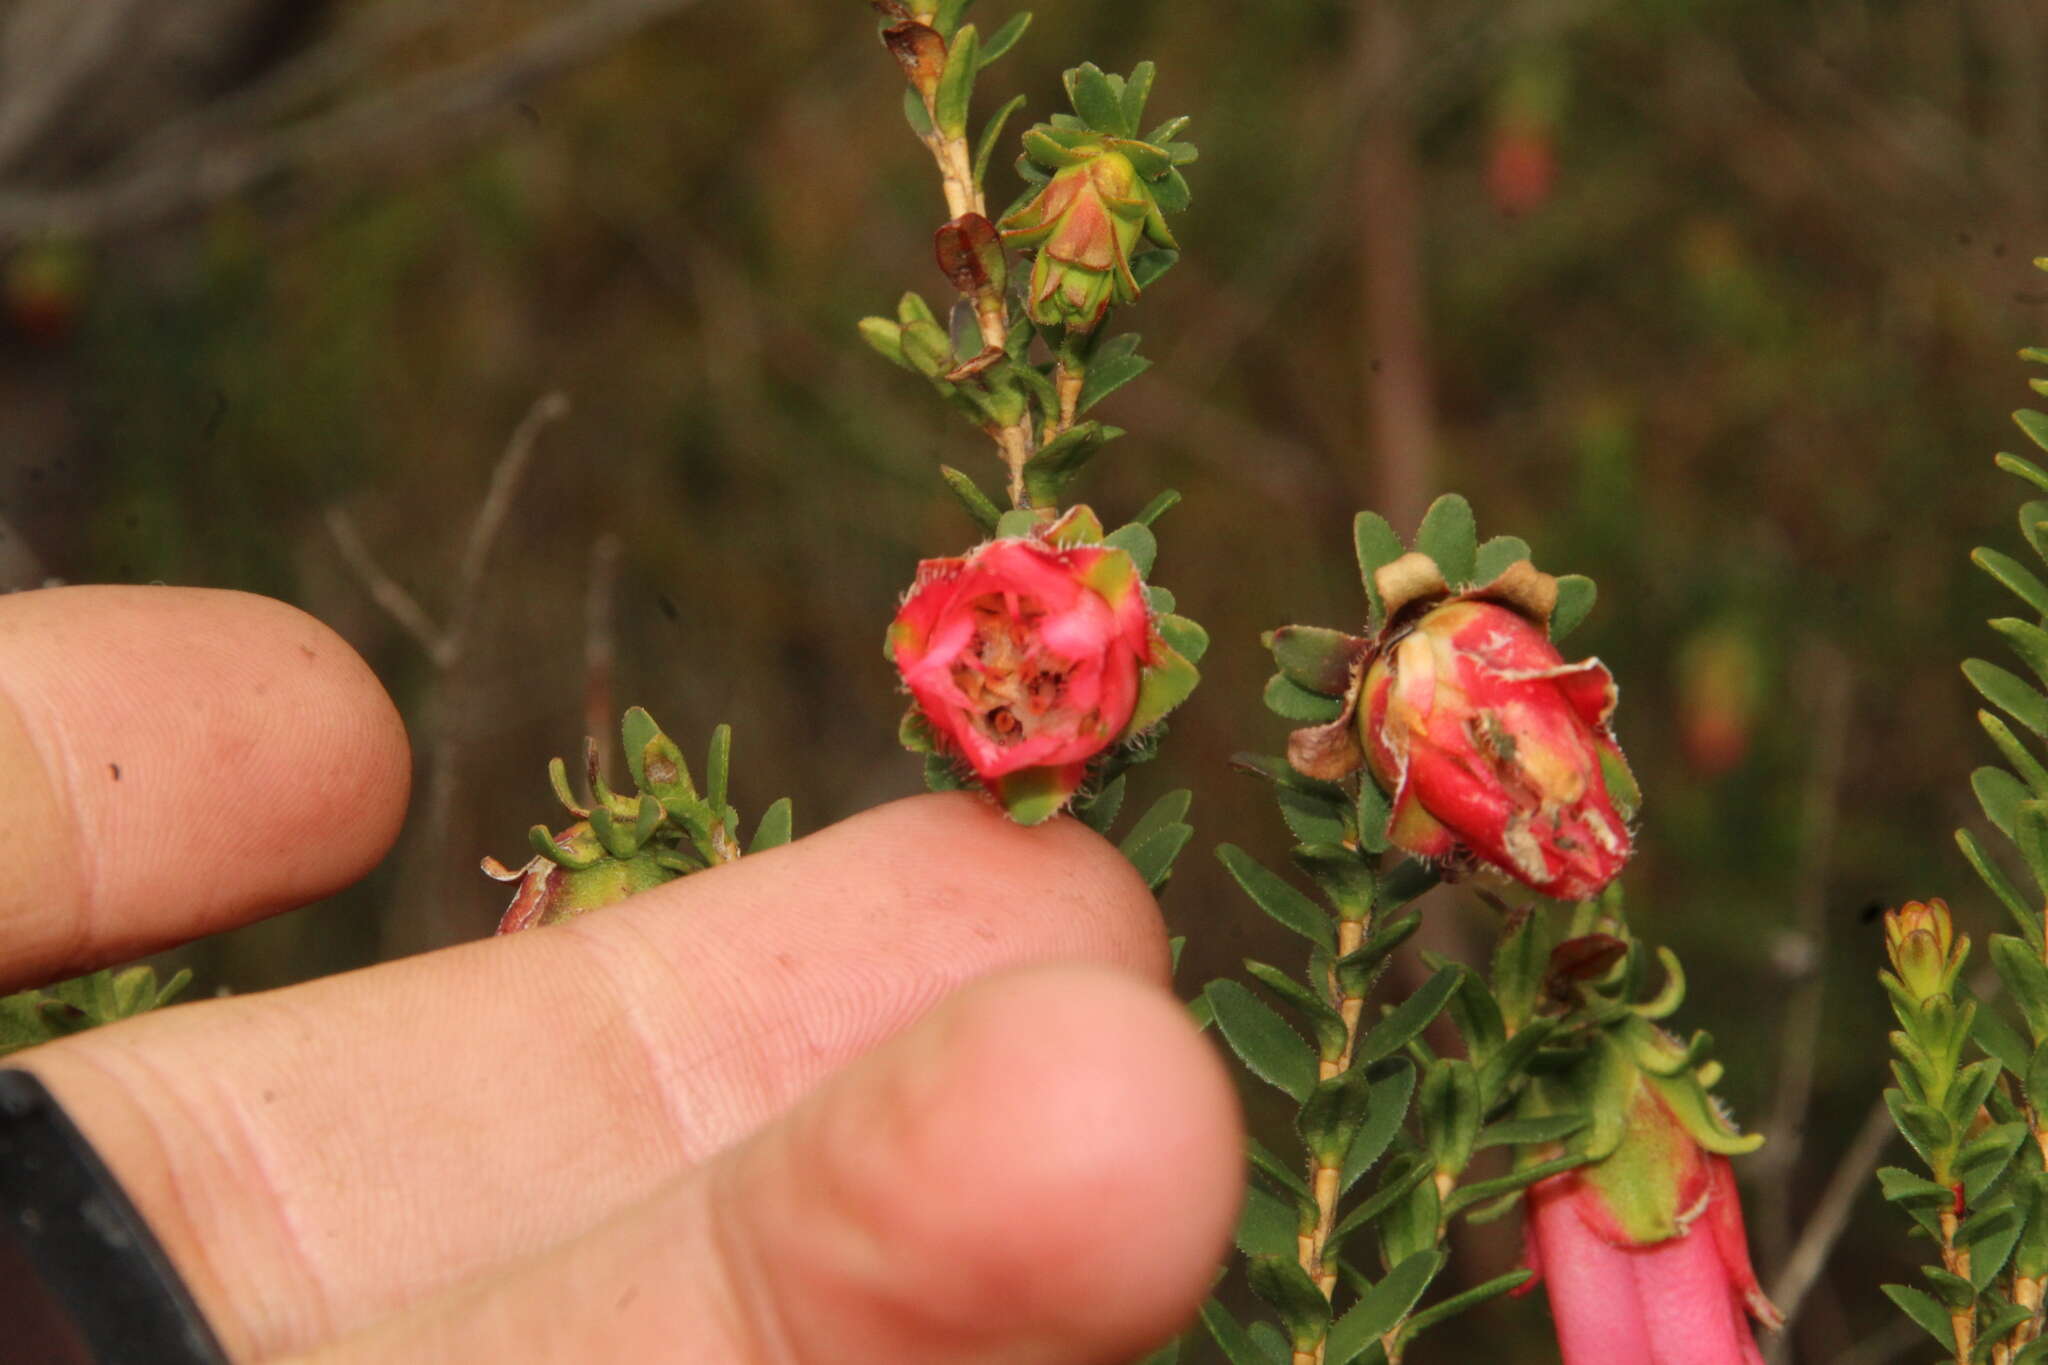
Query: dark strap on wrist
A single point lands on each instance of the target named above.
(83, 1281)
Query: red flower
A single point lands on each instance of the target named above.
(1492, 746)
(1029, 657)
(1644, 1253)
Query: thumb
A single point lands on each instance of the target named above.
(1044, 1171)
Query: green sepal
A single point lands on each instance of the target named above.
(558, 780)
(1576, 595)
(1017, 524)
(1136, 540)
(582, 850)
(1377, 545)
(1137, 89)
(1186, 638)
(1031, 796)
(1289, 700)
(1079, 525)
(1148, 266)
(1449, 536)
(1095, 99)
(1496, 555)
(1315, 657)
(1166, 682)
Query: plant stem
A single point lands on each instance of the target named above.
(1956, 1260)
(1325, 1180)
(955, 161)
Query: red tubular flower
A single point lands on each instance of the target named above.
(1644, 1253)
(1492, 746)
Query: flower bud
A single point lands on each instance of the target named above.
(1492, 747)
(1920, 939)
(1084, 225)
(551, 891)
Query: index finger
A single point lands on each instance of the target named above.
(176, 761)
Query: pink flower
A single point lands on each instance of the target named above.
(1644, 1252)
(1493, 747)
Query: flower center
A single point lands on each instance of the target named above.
(1012, 684)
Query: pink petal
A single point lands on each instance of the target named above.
(1592, 1288)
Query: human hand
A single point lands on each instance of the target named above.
(907, 1090)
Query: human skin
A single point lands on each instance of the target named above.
(909, 1089)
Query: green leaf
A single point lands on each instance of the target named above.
(1376, 545)
(1266, 1226)
(1303, 1310)
(2022, 469)
(1095, 101)
(1115, 363)
(1270, 1049)
(2000, 794)
(1157, 508)
(2015, 752)
(2001, 886)
(1148, 266)
(2013, 575)
(916, 114)
(1538, 1128)
(2034, 424)
(992, 131)
(1374, 814)
(1003, 39)
(775, 827)
(1575, 597)
(1410, 1017)
(2028, 641)
(1047, 473)
(1154, 855)
(1458, 1303)
(1314, 819)
(1285, 905)
(985, 513)
(1170, 809)
(956, 85)
(1449, 1112)
(1169, 1354)
(1186, 637)
(1479, 1191)
(1496, 555)
(1383, 1308)
(1449, 536)
(1099, 811)
(1998, 1039)
(886, 338)
(1921, 1308)
(1291, 701)
(1355, 969)
(717, 766)
(1230, 1337)
(1385, 1107)
(2010, 693)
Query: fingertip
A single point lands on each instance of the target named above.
(960, 847)
(213, 756)
(1052, 1166)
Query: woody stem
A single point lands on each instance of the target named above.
(1956, 1260)
(991, 311)
(1325, 1179)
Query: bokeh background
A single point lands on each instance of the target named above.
(1716, 302)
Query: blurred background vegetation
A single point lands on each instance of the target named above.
(1716, 302)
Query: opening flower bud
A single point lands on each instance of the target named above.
(1084, 225)
(1920, 939)
(1494, 748)
(1026, 659)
